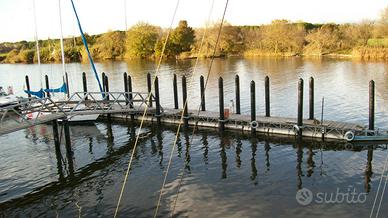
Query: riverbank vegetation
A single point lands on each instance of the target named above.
(364, 40)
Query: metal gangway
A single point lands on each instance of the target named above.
(35, 111)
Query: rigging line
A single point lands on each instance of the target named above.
(182, 114)
(378, 188)
(199, 106)
(382, 196)
(37, 43)
(86, 47)
(62, 49)
(145, 111)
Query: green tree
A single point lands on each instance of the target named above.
(141, 40)
(181, 39)
(109, 45)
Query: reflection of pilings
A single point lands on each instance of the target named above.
(267, 147)
(159, 139)
(299, 159)
(69, 152)
(310, 162)
(224, 158)
(57, 142)
(57, 146)
(368, 170)
(253, 161)
(205, 147)
(187, 154)
(238, 152)
(109, 133)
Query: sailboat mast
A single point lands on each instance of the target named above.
(62, 49)
(125, 15)
(37, 41)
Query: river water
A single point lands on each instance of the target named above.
(229, 175)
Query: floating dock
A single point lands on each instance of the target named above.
(130, 106)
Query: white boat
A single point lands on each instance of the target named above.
(7, 99)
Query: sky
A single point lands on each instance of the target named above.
(98, 16)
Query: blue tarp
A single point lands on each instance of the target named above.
(39, 94)
(61, 89)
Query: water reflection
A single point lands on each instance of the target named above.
(96, 167)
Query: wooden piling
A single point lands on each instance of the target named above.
(221, 121)
(157, 101)
(311, 98)
(103, 82)
(300, 106)
(28, 86)
(371, 105)
(253, 107)
(125, 75)
(130, 96)
(149, 85)
(237, 84)
(107, 95)
(185, 103)
(267, 98)
(175, 86)
(48, 95)
(202, 89)
(67, 85)
(85, 84)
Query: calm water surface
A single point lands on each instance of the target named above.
(231, 175)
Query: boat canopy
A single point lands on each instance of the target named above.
(41, 92)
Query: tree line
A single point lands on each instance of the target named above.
(367, 40)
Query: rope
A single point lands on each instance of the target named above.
(86, 47)
(62, 49)
(378, 189)
(184, 107)
(145, 112)
(37, 43)
(199, 106)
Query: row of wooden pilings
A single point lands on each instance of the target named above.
(128, 89)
